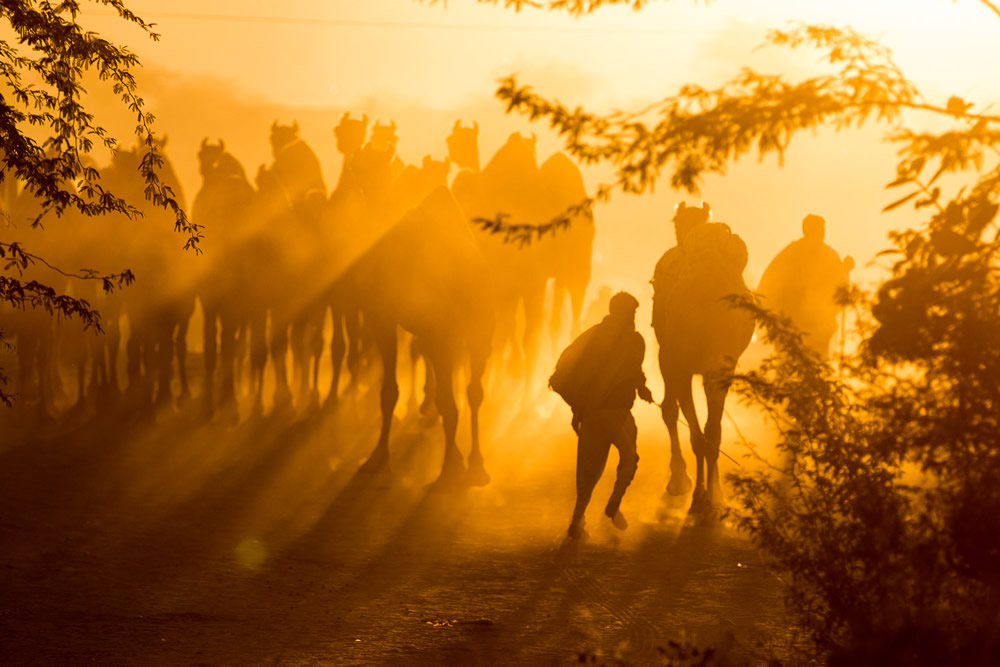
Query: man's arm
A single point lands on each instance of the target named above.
(640, 352)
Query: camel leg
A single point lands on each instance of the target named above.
(686, 401)
(164, 365)
(181, 349)
(279, 357)
(679, 483)
(555, 324)
(209, 337)
(504, 342)
(355, 345)
(412, 405)
(577, 294)
(534, 307)
(428, 408)
(315, 352)
(338, 348)
(716, 388)
(385, 338)
(110, 348)
(227, 354)
(300, 361)
(258, 360)
(133, 362)
(441, 357)
(477, 475)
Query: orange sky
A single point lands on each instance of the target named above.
(353, 49)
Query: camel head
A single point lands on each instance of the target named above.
(463, 145)
(435, 172)
(282, 135)
(210, 156)
(350, 133)
(523, 145)
(160, 142)
(125, 159)
(384, 137)
(687, 217)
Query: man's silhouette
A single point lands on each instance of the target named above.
(599, 375)
(802, 282)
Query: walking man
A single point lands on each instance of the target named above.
(599, 375)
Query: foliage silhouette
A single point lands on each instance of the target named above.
(43, 75)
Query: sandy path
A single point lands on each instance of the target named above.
(258, 545)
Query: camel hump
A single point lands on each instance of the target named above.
(710, 259)
(714, 246)
(561, 175)
(299, 166)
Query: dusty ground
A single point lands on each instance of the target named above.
(125, 543)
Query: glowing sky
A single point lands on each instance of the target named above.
(318, 52)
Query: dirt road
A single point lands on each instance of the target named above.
(176, 544)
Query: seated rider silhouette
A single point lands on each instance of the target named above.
(599, 375)
(801, 282)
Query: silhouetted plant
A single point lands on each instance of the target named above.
(882, 518)
(42, 74)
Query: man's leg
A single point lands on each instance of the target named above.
(591, 456)
(628, 463)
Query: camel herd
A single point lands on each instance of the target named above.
(390, 248)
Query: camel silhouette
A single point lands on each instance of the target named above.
(296, 177)
(512, 184)
(346, 210)
(223, 205)
(160, 303)
(699, 333)
(419, 269)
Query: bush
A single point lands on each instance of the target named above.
(884, 514)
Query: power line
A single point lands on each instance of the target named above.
(357, 23)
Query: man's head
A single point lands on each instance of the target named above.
(623, 306)
(814, 227)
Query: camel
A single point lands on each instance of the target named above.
(571, 269)
(699, 333)
(513, 184)
(510, 184)
(160, 303)
(421, 272)
(222, 205)
(346, 209)
(296, 170)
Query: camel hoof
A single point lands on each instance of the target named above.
(670, 507)
(679, 484)
(477, 475)
(377, 463)
(452, 477)
(619, 521)
(698, 500)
